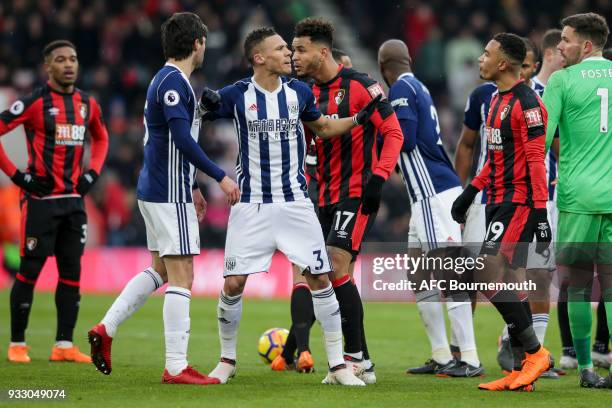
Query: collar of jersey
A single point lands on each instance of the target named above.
(596, 58)
(169, 64)
(340, 68)
(60, 92)
(405, 74)
(261, 89)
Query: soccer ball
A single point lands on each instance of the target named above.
(272, 344)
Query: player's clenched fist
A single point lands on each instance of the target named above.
(231, 190)
(462, 203)
(210, 100)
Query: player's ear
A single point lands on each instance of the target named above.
(258, 59)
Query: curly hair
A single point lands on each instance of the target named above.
(512, 46)
(179, 32)
(317, 28)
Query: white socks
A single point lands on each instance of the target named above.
(540, 323)
(229, 313)
(432, 315)
(133, 296)
(63, 344)
(327, 312)
(462, 327)
(176, 328)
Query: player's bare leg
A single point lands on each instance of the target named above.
(229, 314)
(327, 311)
(131, 299)
(177, 323)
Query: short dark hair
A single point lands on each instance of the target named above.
(317, 28)
(179, 32)
(551, 39)
(530, 46)
(337, 53)
(512, 46)
(254, 38)
(591, 26)
(53, 45)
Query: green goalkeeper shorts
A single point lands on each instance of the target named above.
(584, 238)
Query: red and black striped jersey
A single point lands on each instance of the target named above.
(516, 127)
(56, 126)
(345, 163)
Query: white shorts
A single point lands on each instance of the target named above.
(547, 259)
(431, 223)
(172, 228)
(256, 231)
(475, 228)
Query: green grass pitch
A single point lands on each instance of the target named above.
(395, 336)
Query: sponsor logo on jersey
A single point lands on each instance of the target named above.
(17, 108)
(171, 98)
(281, 127)
(69, 135)
(375, 90)
(533, 117)
(339, 96)
(494, 138)
(399, 102)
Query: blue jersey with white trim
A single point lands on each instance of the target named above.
(271, 140)
(475, 118)
(550, 160)
(426, 169)
(166, 175)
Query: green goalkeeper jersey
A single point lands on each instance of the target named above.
(577, 99)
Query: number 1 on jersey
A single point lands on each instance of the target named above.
(603, 109)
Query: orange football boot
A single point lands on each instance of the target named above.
(305, 362)
(280, 364)
(71, 354)
(533, 366)
(503, 384)
(18, 354)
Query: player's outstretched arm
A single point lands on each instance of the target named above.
(326, 128)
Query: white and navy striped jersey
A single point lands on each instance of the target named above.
(426, 168)
(166, 176)
(550, 160)
(272, 145)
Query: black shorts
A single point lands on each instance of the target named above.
(344, 226)
(53, 227)
(510, 230)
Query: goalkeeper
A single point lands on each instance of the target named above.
(577, 99)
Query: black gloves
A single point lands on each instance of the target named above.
(36, 185)
(543, 233)
(462, 204)
(86, 182)
(370, 200)
(364, 115)
(210, 100)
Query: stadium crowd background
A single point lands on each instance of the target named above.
(119, 51)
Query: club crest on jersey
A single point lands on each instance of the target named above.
(17, 108)
(339, 96)
(83, 111)
(375, 90)
(171, 98)
(504, 112)
(533, 117)
(31, 243)
(230, 263)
